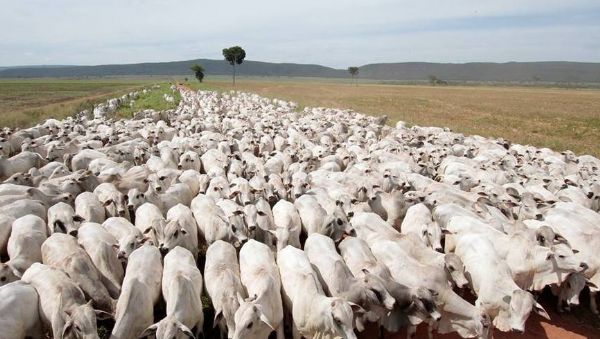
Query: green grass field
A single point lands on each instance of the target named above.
(153, 99)
(26, 102)
(547, 117)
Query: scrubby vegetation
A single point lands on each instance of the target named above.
(154, 99)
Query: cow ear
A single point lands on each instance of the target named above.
(407, 308)
(186, 330)
(240, 298)
(67, 328)
(101, 315)
(359, 323)
(590, 284)
(537, 308)
(560, 239)
(264, 319)
(356, 309)
(218, 316)
(150, 330)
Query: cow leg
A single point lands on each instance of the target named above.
(58, 324)
(593, 304)
(411, 331)
(449, 244)
(430, 325)
(295, 332)
(381, 331)
(280, 332)
(198, 333)
(559, 304)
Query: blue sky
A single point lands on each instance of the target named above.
(335, 33)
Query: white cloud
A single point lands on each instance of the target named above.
(334, 32)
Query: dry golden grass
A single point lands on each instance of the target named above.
(557, 118)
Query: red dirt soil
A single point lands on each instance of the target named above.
(561, 326)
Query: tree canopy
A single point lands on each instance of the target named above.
(234, 55)
(198, 72)
(353, 72)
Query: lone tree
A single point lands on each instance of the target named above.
(433, 79)
(198, 72)
(234, 55)
(353, 72)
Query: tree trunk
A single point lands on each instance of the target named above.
(234, 74)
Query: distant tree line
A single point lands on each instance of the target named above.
(434, 80)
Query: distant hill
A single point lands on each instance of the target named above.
(216, 67)
(551, 71)
(559, 72)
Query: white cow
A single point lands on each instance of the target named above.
(139, 293)
(150, 221)
(62, 218)
(89, 208)
(213, 224)
(25, 242)
(223, 284)
(262, 313)
(507, 304)
(63, 308)
(129, 238)
(63, 252)
(182, 291)
(287, 224)
(180, 230)
(418, 221)
(102, 247)
(314, 315)
(20, 311)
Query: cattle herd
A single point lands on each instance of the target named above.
(309, 223)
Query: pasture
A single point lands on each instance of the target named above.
(557, 118)
(26, 102)
(134, 220)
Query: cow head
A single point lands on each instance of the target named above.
(168, 327)
(456, 269)
(251, 321)
(80, 321)
(339, 314)
(7, 275)
(516, 310)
